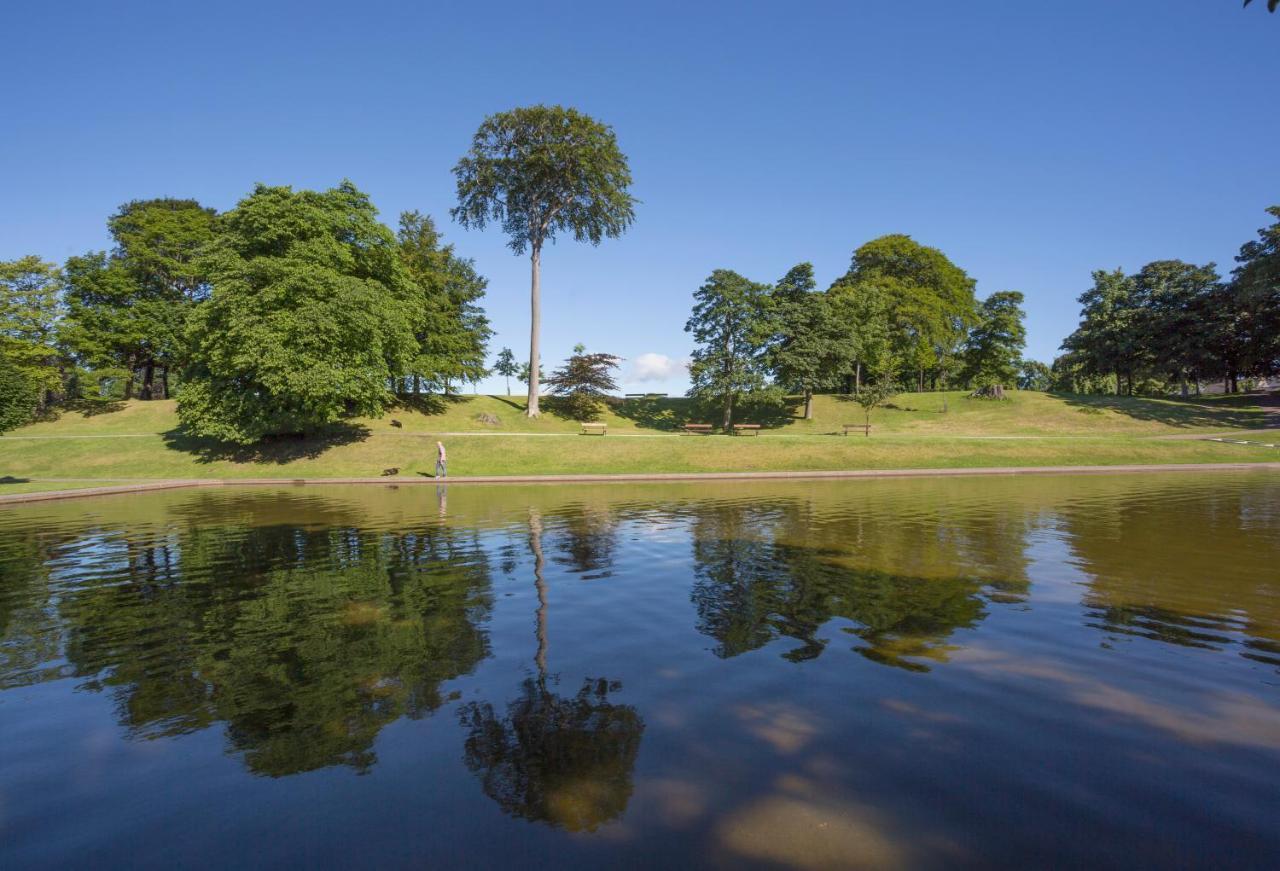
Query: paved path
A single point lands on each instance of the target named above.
(173, 484)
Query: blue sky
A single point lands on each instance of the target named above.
(1032, 142)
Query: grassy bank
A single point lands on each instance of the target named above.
(942, 430)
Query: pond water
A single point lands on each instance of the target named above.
(1064, 670)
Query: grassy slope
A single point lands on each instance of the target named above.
(146, 442)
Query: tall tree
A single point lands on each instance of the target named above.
(505, 365)
(310, 320)
(1174, 298)
(808, 350)
(19, 395)
(30, 307)
(993, 351)
(539, 171)
(929, 299)
(861, 312)
(731, 322)
(452, 330)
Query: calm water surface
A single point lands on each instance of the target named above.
(900, 673)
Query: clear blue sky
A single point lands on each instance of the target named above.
(1030, 141)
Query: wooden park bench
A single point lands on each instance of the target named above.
(704, 428)
(864, 427)
(743, 428)
(635, 396)
(597, 428)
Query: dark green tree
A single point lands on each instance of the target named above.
(731, 322)
(993, 351)
(505, 365)
(310, 320)
(584, 381)
(1256, 282)
(861, 312)
(452, 330)
(19, 395)
(30, 306)
(540, 171)
(128, 310)
(809, 350)
(1108, 339)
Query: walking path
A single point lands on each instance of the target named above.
(174, 484)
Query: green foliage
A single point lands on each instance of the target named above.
(19, 395)
(452, 330)
(505, 365)
(928, 299)
(30, 306)
(522, 374)
(810, 348)
(1034, 375)
(129, 309)
(584, 381)
(732, 323)
(994, 347)
(875, 394)
(1257, 280)
(310, 319)
(543, 170)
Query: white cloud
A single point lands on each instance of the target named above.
(657, 367)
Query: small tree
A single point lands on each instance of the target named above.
(584, 381)
(994, 349)
(873, 395)
(19, 396)
(1035, 376)
(506, 366)
(523, 374)
(539, 171)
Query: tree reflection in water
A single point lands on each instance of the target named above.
(566, 761)
(304, 642)
(763, 573)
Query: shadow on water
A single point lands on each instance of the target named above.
(276, 449)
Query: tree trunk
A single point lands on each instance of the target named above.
(164, 382)
(728, 411)
(508, 385)
(857, 379)
(149, 380)
(808, 403)
(539, 584)
(535, 324)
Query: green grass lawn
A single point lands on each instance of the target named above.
(945, 430)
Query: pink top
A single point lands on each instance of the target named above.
(440, 449)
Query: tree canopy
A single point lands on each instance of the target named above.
(584, 381)
(311, 316)
(993, 351)
(731, 322)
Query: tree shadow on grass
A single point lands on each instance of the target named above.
(279, 450)
(429, 403)
(9, 479)
(673, 413)
(1172, 412)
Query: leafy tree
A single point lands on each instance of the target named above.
(452, 330)
(506, 366)
(1257, 282)
(1108, 338)
(860, 310)
(995, 344)
(523, 375)
(1174, 299)
(929, 300)
(129, 309)
(584, 381)
(809, 350)
(30, 306)
(310, 319)
(19, 395)
(1035, 375)
(875, 394)
(731, 323)
(539, 171)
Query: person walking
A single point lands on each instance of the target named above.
(442, 468)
